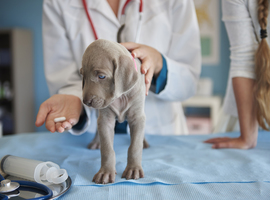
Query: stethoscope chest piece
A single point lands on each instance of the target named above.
(8, 186)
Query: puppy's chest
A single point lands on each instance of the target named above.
(120, 107)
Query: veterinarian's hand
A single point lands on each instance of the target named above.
(236, 143)
(151, 60)
(59, 105)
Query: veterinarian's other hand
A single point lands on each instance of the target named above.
(151, 60)
(59, 105)
(236, 143)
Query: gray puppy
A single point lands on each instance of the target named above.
(113, 84)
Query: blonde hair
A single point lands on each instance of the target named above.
(262, 70)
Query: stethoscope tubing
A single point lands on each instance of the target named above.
(122, 13)
(89, 19)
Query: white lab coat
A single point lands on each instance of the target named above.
(168, 26)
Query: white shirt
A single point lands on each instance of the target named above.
(241, 21)
(168, 26)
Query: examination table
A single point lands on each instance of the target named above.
(175, 167)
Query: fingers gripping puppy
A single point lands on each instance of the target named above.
(113, 85)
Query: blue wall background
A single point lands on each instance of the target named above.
(28, 14)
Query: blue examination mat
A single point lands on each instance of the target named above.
(175, 167)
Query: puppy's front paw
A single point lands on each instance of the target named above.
(104, 176)
(133, 172)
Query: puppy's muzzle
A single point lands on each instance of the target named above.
(88, 102)
(94, 102)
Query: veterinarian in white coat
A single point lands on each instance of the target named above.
(168, 27)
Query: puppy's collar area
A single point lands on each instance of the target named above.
(135, 63)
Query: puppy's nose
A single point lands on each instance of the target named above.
(88, 102)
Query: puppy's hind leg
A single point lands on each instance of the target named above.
(145, 144)
(95, 143)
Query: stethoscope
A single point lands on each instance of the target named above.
(122, 21)
(9, 189)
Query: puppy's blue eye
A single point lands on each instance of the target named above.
(101, 77)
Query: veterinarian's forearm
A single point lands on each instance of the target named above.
(161, 80)
(159, 64)
(181, 80)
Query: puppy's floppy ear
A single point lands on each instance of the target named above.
(125, 75)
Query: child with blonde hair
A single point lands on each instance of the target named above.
(249, 81)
